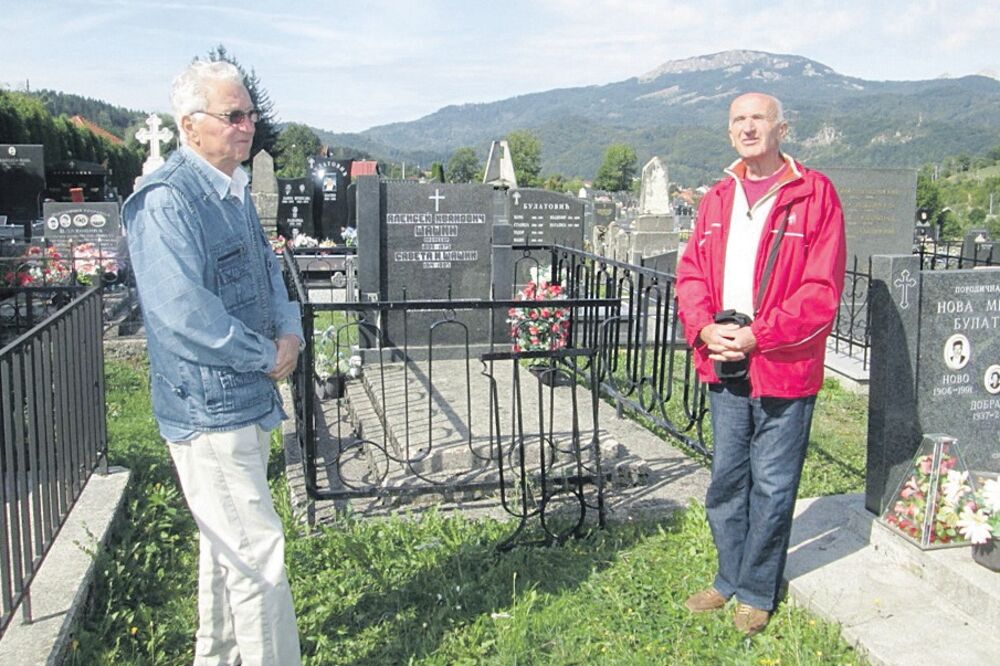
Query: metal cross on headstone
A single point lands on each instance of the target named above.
(153, 136)
(437, 200)
(904, 283)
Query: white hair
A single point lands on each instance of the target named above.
(189, 91)
(779, 109)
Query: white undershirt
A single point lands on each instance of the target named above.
(745, 227)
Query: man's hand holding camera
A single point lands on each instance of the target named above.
(728, 342)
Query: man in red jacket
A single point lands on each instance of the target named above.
(768, 243)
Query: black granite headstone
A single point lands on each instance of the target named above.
(295, 207)
(330, 180)
(935, 368)
(959, 360)
(89, 178)
(77, 223)
(665, 262)
(605, 212)
(879, 210)
(430, 240)
(978, 249)
(541, 217)
(22, 182)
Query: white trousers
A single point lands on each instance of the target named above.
(244, 603)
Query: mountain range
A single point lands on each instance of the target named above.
(679, 112)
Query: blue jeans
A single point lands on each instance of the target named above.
(760, 445)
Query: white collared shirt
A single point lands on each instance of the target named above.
(234, 185)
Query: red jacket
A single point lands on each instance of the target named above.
(802, 296)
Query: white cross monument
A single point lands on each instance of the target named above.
(153, 136)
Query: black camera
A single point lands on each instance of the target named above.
(732, 371)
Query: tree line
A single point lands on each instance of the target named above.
(43, 117)
(957, 194)
(24, 119)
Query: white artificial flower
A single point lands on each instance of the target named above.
(954, 487)
(991, 495)
(974, 526)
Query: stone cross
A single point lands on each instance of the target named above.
(437, 200)
(904, 283)
(153, 136)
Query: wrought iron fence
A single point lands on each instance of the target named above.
(644, 363)
(52, 439)
(851, 334)
(37, 280)
(952, 255)
(406, 431)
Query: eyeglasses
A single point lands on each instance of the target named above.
(235, 117)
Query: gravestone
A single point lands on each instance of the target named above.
(264, 191)
(925, 229)
(879, 210)
(330, 179)
(22, 182)
(665, 262)
(153, 134)
(935, 368)
(541, 217)
(605, 212)
(89, 177)
(295, 199)
(72, 224)
(499, 166)
(652, 231)
(654, 196)
(978, 249)
(429, 241)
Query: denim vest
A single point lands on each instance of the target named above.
(212, 298)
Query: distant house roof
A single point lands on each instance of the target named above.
(80, 121)
(364, 168)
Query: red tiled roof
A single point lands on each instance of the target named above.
(364, 168)
(80, 121)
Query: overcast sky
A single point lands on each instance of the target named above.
(347, 66)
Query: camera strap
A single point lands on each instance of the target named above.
(771, 258)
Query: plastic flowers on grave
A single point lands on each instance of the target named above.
(278, 244)
(301, 241)
(981, 522)
(350, 235)
(946, 493)
(89, 261)
(329, 360)
(38, 267)
(542, 328)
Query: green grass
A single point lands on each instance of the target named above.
(431, 589)
(835, 459)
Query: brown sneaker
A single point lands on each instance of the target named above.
(750, 620)
(704, 601)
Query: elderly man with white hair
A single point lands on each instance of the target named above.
(220, 332)
(758, 289)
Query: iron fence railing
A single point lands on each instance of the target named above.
(851, 334)
(37, 280)
(424, 434)
(644, 363)
(53, 436)
(952, 255)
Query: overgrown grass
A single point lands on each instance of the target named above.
(432, 590)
